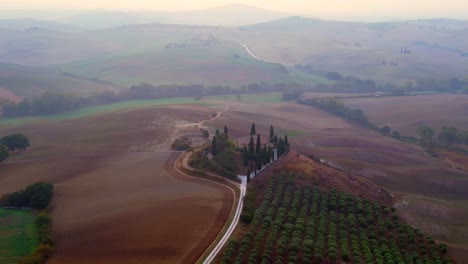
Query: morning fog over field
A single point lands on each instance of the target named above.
(214, 131)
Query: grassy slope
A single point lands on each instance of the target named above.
(101, 109)
(18, 236)
(360, 48)
(26, 82)
(135, 104)
(208, 65)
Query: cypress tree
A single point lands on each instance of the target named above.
(214, 147)
(272, 134)
(272, 153)
(217, 131)
(226, 130)
(265, 156)
(245, 157)
(286, 144)
(248, 175)
(253, 131)
(258, 162)
(258, 147)
(251, 149)
(280, 147)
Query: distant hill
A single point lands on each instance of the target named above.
(42, 47)
(228, 15)
(34, 24)
(157, 53)
(398, 51)
(295, 23)
(107, 19)
(18, 81)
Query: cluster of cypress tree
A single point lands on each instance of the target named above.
(256, 155)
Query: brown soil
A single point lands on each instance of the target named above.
(406, 113)
(115, 205)
(314, 172)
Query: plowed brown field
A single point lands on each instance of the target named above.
(115, 203)
(406, 113)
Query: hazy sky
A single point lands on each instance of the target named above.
(386, 8)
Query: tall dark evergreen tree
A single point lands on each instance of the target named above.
(245, 156)
(286, 144)
(253, 131)
(272, 134)
(217, 132)
(280, 146)
(251, 149)
(265, 155)
(272, 153)
(214, 147)
(258, 162)
(248, 175)
(258, 147)
(226, 130)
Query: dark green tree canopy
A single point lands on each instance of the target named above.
(258, 146)
(36, 196)
(214, 146)
(253, 131)
(15, 141)
(426, 135)
(448, 135)
(385, 130)
(272, 133)
(4, 152)
(251, 148)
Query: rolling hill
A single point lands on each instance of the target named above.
(395, 52)
(387, 51)
(18, 82)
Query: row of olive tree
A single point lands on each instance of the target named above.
(301, 224)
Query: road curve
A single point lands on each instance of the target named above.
(231, 228)
(260, 59)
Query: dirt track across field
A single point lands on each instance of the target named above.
(114, 204)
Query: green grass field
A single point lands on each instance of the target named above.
(134, 104)
(263, 97)
(101, 109)
(18, 235)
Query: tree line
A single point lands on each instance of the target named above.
(12, 143)
(36, 196)
(446, 135)
(353, 84)
(338, 108)
(53, 103)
